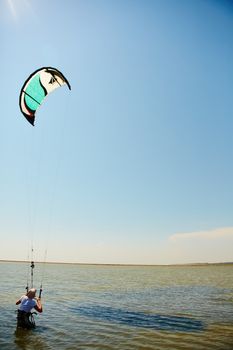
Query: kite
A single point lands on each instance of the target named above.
(38, 85)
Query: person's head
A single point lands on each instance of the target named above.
(31, 293)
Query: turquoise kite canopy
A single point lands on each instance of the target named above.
(36, 90)
(38, 85)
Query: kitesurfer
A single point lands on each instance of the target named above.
(27, 303)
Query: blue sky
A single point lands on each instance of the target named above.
(134, 165)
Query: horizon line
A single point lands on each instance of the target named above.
(119, 264)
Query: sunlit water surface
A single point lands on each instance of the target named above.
(121, 307)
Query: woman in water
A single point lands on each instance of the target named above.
(27, 303)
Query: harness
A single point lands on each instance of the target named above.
(26, 319)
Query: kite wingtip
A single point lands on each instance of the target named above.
(30, 119)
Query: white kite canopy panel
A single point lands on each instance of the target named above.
(38, 85)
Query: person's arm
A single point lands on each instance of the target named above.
(38, 305)
(19, 301)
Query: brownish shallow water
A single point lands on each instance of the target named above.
(121, 307)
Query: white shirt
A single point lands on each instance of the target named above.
(27, 304)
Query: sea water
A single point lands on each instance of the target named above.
(121, 307)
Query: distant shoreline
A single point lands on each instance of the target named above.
(99, 264)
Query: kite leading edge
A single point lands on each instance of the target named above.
(38, 85)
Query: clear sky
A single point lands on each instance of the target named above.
(135, 163)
